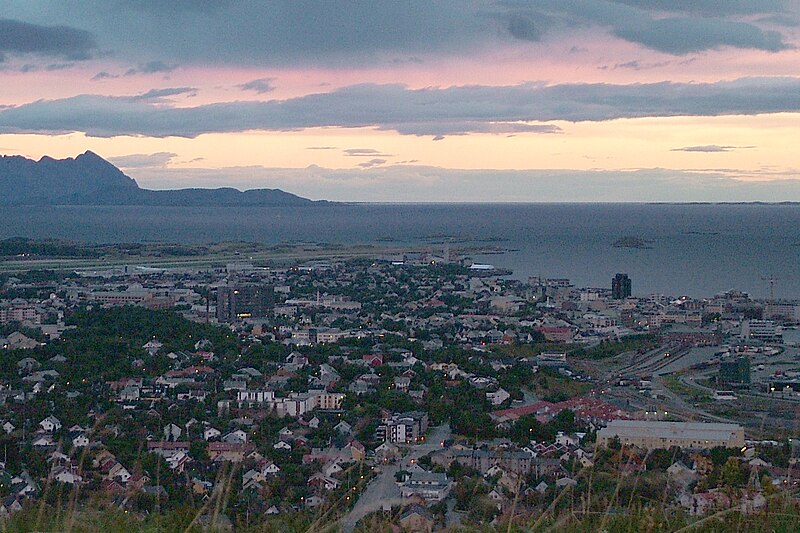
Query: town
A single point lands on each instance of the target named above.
(419, 392)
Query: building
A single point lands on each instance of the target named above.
(782, 311)
(430, 486)
(552, 359)
(19, 313)
(653, 434)
(234, 452)
(621, 287)
(511, 460)
(734, 370)
(692, 336)
(416, 518)
(238, 302)
(763, 330)
(404, 428)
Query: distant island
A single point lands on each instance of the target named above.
(91, 180)
(633, 242)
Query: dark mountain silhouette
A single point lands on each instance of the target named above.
(91, 180)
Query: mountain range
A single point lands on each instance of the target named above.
(88, 179)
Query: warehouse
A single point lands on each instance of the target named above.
(654, 434)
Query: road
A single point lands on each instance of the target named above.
(383, 490)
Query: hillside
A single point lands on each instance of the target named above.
(91, 180)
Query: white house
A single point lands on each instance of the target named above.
(67, 476)
(331, 468)
(270, 469)
(565, 482)
(253, 479)
(80, 440)
(50, 424)
(172, 432)
(211, 433)
(43, 441)
(343, 428)
(119, 473)
(497, 397)
(152, 347)
(237, 436)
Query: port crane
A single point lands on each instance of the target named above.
(771, 280)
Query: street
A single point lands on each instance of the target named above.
(383, 492)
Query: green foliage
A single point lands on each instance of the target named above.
(629, 343)
(528, 428)
(16, 246)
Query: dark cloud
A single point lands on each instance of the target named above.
(161, 95)
(688, 27)
(406, 60)
(64, 42)
(348, 32)
(709, 148)
(439, 138)
(636, 65)
(787, 21)
(363, 152)
(321, 148)
(684, 35)
(261, 86)
(278, 32)
(709, 7)
(59, 66)
(429, 111)
(151, 67)
(522, 26)
(157, 160)
(372, 163)
(104, 75)
(31, 67)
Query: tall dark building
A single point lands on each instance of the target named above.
(620, 287)
(240, 301)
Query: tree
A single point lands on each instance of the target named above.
(198, 450)
(731, 475)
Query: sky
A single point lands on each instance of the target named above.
(415, 101)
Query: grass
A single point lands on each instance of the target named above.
(674, 384)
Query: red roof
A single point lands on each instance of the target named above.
(582, 407)
(230, 447)
(373, 359)
(167, 445)
(518, 412)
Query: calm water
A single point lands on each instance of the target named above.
(696, 250)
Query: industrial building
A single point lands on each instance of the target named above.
(654, 434)
(763, 330)
(241, 301)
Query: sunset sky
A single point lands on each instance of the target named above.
(504, 100)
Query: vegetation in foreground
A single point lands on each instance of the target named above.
(104, 518)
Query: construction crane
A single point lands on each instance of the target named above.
(771, 280)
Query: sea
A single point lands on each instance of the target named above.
(695, 250)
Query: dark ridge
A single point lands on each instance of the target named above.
(91, 180)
